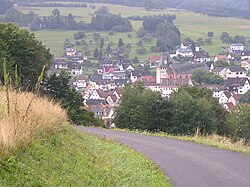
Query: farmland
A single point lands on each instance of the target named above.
(190, 24)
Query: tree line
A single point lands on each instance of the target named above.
(84, 5)
(99, 22)
(188, 110)
(226, 38)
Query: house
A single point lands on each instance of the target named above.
(184, 52)
(236, 71)
(121, 82)
(108, 69)
(245, 64)
(228, 106)
(217, 89)
(224, 97)
(168, 86)
(118, 75)
(235, 99)
(245, 55)
(94, 77)
(236, 48)
(221, 58)
(186, 45)
(237, 85)
(98, 107)
(60, 63)
(76, 69)
(70, 51)
(156, 60)
(221, 71)
(126, 67)
(100, 94)
(106, 63)
(112, 100)
(201, 57)
(178, 71)
(78, 59)
(80, 82)
(138, 75)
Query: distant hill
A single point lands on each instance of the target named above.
(230, 8)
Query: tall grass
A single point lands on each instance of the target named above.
(17, 127)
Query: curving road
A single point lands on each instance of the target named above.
(185, 163)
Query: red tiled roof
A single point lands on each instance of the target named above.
(229, 106)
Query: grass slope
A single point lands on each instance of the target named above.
(70, 158)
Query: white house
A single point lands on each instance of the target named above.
(245, 64)
(76, 69)
(236, 72)
(80, 82)
(237, 85)
(237, 47)
(201, 56)
(187, 52)
(224, 97)
(245, 55)
(70, 52)
(60, 63)
(221, 71)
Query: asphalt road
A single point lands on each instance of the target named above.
(185, 163)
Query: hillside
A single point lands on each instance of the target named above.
(226, 8)
(40, 148)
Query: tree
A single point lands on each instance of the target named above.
(102, 10)
(79, 35)
(141, 33)
(246, 98)
(96, 53)
(20, 48)
(238, 120)
(135, 60)
(195, 107)
(168, 36)
(221, 63)
(203, 76)
(141, 108)
(101, 42)
(57, 88)
(120, 43)
(35, 24)
(210, 34)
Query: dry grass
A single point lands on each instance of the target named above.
(26, 119)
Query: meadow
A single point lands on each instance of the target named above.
(191, 25)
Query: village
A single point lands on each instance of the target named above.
(102, 91)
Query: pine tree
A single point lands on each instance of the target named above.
(120, 43)
(96, 53)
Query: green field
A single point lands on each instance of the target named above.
(191, 25)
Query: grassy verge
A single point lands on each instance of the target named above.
(70, 158)
(210, 140)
